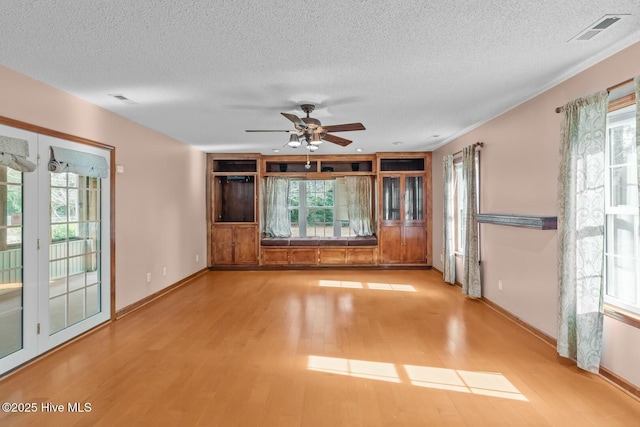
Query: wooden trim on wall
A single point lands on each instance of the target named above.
(622, 102)
(54, 133)
(621, 316)
(149, 298)
(112, 218)
(608, 375)
(209, 206)
(538, 333)
(620, 382)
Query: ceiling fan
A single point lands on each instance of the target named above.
(312, 132)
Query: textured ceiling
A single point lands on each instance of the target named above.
(204, 71)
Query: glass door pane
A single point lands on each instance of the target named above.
(391, 198)
(74, 251)
(11, 267)
(413, 198)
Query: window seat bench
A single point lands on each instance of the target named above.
(329, 251)
(320, 241)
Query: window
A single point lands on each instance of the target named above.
(622, 233)
(458, 200)
(318, 208)
(11, 203)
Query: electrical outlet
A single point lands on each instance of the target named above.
(164, 271)
(500, 285)
(197, 257)
(148, 277)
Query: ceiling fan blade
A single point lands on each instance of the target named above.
(295, 119)
(260, 130)
(336, 140)
(344, 128)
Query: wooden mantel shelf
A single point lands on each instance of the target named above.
(526, 221)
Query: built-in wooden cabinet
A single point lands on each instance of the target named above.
(318, 167)
(404, 209)
(319, 256)
(235, 244)
(347, 256)
(289, 256)
(232, 209)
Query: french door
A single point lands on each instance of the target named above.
(54, 250)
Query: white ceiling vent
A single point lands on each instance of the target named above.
(597, 27)
(122, 98)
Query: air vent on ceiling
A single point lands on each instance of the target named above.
(597, 27)
(121, 98)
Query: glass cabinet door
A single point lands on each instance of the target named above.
(413, 198)
(391, 198)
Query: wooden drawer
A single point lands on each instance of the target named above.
(275, 256)
(362, 256)
(303, 256)
(333, 256)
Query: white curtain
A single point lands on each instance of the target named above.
(276, 207)
(65, 160)
(14, 153)
(449, 268)
(581, 221)
(471, 284)
(359, 204)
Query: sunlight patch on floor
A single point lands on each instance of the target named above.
(369, 285)
(481, 383)
(484, 383)
(354, 368)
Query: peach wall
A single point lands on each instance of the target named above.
(519, 169)
(160, 197)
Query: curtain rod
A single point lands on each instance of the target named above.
(476, 145)
(609, 89)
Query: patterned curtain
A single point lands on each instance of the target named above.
(581, 216)
(359, 204)
(471, 284)
(14, 153)
(449, 268)
(276, 213)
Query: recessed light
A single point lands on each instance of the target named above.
(275, 150)
(359, 150)
(396, 143)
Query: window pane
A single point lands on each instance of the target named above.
(391, 198)
(74, 261)
(621, 235)
(13, 176)
(11, 287)
(622, 228)
(622, 137)
(58, 179)
(58, 204)
(624, 182)
(413, 198)
(622, 279)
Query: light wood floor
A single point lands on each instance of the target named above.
(315, 348)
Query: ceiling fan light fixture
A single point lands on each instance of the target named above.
(294, 141)
(312, 147)
(315, 139)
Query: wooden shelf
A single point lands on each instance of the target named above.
(525, 221)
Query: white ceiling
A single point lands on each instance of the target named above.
(203, 71)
